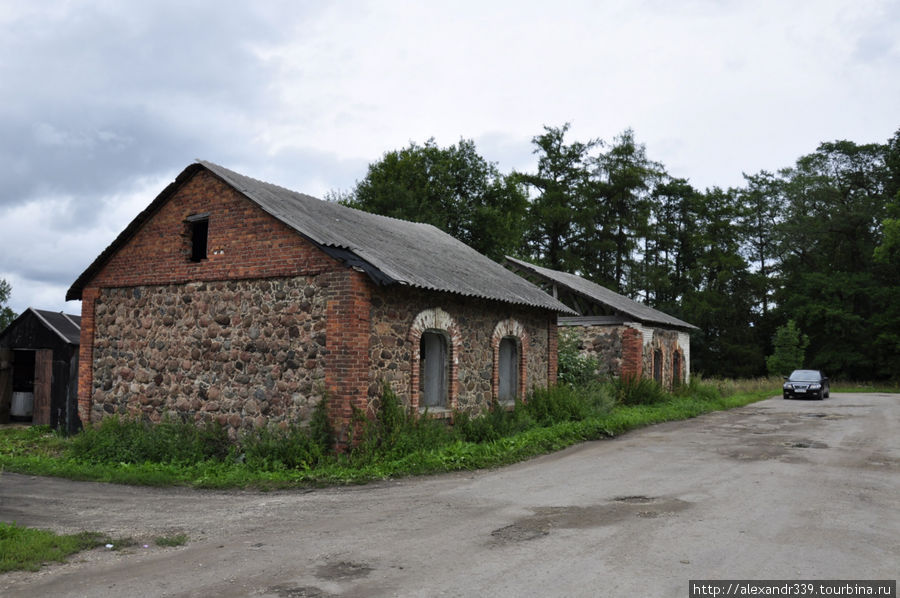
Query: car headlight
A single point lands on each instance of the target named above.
(815, 386)
(788, 386)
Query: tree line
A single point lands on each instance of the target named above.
(816, 243)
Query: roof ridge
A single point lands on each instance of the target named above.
(207, 163)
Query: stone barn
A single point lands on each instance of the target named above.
(625, 337)
(39, 369)
(233, 300)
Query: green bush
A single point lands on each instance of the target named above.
(493, 424)
(634, 390)
(275, 449)
(548, 406)
(395, 431)
(573, 368)
(119, 440)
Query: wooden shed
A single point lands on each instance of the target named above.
(39, 369)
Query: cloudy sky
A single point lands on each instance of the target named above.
(103, 103)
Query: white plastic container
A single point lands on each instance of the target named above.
(22, 404)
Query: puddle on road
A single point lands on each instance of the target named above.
(814, 444)
(332, 572)
(342, 570)
(299, 592)
(545, 519)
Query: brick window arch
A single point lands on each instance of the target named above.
(509, 342)
(426, 332)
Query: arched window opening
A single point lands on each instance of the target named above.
(508, 368)
(433, 370)
(676, 368)
(657, 365)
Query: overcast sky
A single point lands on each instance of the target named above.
(102, 104)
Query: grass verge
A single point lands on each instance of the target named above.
(23, 548)
(394, 444)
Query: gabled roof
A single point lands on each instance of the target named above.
(390, 251)
(598, 294)
(65, 326)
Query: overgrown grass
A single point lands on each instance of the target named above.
(851, 386)
(23, 548)
(396, 442)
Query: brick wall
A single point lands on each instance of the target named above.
(348, 336)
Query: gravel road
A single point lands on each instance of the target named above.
(775, 490)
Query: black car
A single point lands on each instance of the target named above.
(806, 384)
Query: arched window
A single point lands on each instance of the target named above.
(435, 342)
(433, 370)
(676, 368)
(657, 365)
(510, 346)
(508, 369)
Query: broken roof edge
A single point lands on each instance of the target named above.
(639, 312)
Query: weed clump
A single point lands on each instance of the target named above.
(173, 440)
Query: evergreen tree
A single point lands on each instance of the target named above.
(790, 350)
(562, 188)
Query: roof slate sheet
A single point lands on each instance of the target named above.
(67, 326)
(602, 295)
(391, 251)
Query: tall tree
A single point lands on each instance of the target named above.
(763, 212)
(673, 244)
(836, 206)
(7, 315)
(721, 303)
(627, 177)
(453, 188)
(561, 188)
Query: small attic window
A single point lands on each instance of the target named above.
(199, 234)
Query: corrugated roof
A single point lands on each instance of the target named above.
(391, 251)
(600, 294)
(67, 326)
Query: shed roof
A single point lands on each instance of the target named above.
(390, 251)
(599, 294)
(65, 326)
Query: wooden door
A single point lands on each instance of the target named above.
(43, 379)
(6, 377)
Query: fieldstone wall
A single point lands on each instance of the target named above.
(393, 314)
(600, 343)
(604, 343)
(241, 353)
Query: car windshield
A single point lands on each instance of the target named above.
(805, 376)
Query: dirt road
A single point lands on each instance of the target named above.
(776, 490)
